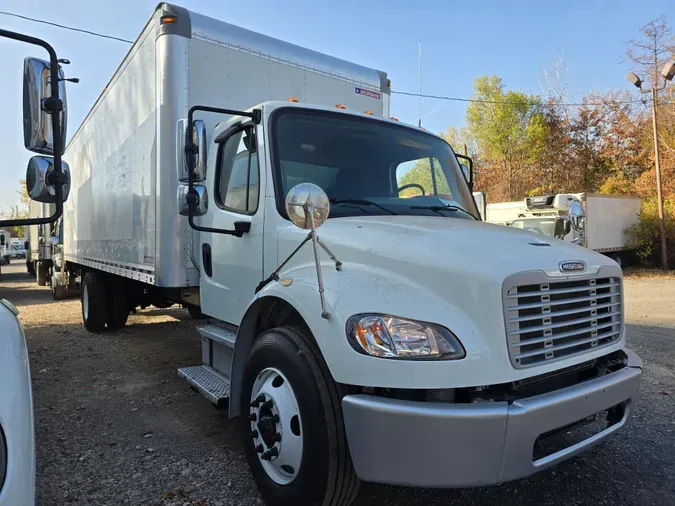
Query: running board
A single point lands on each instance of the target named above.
(212, 385)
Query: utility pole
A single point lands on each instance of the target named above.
(668, 73)
(659, 194)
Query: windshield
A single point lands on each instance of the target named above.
(545, 226)
(368, 167)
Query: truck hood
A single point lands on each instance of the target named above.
(452, 245)
(449, 271)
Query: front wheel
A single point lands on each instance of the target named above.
(293, 431)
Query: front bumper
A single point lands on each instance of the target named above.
(426, 444)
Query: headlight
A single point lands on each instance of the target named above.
(393, 337)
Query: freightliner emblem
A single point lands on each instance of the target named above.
(572, 266)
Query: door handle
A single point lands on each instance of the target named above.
(242, 227)
(206, 259)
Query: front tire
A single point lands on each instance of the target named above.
(297, 446)
(94, 301)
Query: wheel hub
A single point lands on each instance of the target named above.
(276, 428)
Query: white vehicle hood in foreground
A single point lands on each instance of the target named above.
(444, 270)
(16, 413)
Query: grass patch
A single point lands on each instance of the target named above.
(645, 273)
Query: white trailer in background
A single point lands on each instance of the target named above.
(606, 219)
(345, 358)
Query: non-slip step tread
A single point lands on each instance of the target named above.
(218, 333)
(210, 383)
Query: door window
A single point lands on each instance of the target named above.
(237, 182)
(423, 176)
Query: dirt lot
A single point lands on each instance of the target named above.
(116, 425)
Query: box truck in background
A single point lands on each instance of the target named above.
(201, 176)
(39, 256)
(605, 219)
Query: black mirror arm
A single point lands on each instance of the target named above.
(54, 102)
(191, 150)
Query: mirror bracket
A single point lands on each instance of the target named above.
(316, 242)
(52, 105)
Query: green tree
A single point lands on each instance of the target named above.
(510, 132)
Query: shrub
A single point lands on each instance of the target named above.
(645, 236)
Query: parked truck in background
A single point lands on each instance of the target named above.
(606, 219)
(201, 177)
(40, 254)
(5, 241)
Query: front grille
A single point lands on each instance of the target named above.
(552, 320)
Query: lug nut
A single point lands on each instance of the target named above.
(275, 418)
(269, 454)
(259, 449)
(276, 438)
(253, 434)
(257, 401)
(267, 404)
(252, 417)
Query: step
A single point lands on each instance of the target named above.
(219, 333)
(211, 384)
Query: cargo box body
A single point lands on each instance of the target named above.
(125, 159)
(607, 219)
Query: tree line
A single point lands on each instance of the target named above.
(528, 144)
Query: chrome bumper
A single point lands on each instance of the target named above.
(426, 444)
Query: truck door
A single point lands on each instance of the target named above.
(231, 266)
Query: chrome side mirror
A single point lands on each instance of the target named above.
(307, 206)
(38, 135)
(577, 217)
(202, 203)
(199, 136)
(37, 179)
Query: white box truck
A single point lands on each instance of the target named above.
(201, 176)
(606, 218)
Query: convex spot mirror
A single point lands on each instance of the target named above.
(38, 134)
(576, 214)
(303, 199)
(38, 183)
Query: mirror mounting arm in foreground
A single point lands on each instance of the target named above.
(52, 104)
(308, 210)
(191, 150)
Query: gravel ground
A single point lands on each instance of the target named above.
(115, 424)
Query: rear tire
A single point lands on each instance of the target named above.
(94, 301)
(41, 274)
(58, 291)
(325, 474)
(118, 310)
(195, 312)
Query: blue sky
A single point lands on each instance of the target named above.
(460, 41)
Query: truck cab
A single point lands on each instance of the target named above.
(414, 317)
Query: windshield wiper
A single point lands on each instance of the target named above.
(447, 207)
(361, 202)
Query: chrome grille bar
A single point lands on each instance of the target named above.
(551, 319)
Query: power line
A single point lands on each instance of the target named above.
(481, 101)
(96, 34)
